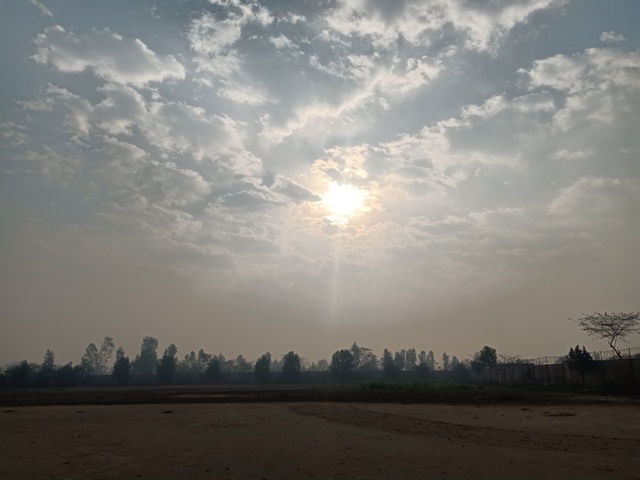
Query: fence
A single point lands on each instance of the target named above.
(618, 373)
(602, 355)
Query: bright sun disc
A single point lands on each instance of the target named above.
(344, 201)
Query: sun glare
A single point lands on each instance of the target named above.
(344, 201)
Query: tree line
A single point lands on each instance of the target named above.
(344, 364)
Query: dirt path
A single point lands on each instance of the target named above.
(320, 440)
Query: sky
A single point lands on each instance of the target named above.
(249, 176)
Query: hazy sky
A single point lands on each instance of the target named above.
(262, 176)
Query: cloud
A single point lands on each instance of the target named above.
(597, 199)
(601, 85)
(612, 37)
(111, 56)
(42, 8)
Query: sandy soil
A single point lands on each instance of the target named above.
(320, 440)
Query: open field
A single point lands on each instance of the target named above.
(283, 436)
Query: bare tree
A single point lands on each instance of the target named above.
(610, 326)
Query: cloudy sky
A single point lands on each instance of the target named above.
(249, 176)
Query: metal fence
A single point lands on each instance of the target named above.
(600, 355)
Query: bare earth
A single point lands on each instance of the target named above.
(320, 440)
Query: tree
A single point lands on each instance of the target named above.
(445, 361)
(487, 357)
(399, 359)
(106, 350)
(580, 360)
(146, 361)
(342, 365)
(213, 370)
(48, 363)
(190, 363)
(291, 365)
(428, 359)
(262, 368)
(411, 359)
(44, 377)
(364, 358)
(242, 365)
(166, 369)
(390, 369)
(322, 365)
(90, 360)
(69, 375)
(121, 367)
(19, 376)
(610, 326)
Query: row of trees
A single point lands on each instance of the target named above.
(344, 363)
(612, 327)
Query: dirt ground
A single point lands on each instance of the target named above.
(320, 440)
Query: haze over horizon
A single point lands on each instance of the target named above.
(250, 176)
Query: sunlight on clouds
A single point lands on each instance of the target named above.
(344, 202)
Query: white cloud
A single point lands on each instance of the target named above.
(612, 37)
(109, 55)
(42, 8)
(597, 199)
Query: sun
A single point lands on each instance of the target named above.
(344, 201)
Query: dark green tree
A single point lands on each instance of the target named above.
(487, 356)
(580, 360)
(342, 365)
(399, 359)
(166, 369)
(20, 375)
(390, 369)
(262, 368)
(69, 375)
(121, 367)
(291, 365)
(146, 361)
(90, 361)
(445, 361)
(213, 371)
(44, 376)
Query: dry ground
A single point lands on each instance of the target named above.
(320, 440)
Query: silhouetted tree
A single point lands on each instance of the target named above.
(189, 364)
(487, 356)
(410, 359)
(262, 368)
(460, 369)
(20, 375)
(580, 360)
(422, 371)
(90, 360)
(399, 359)
(166, 369)
(454, 362)
(146, 361)
(445, 361)
(242, 365)
(364, 359)
(213, 370)
(68, 375)
(342, 365)
(610, 326)
(291, 366)
(121, 367)
(44, 375)
(390, 369)
(104, 355)
(322, 365)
